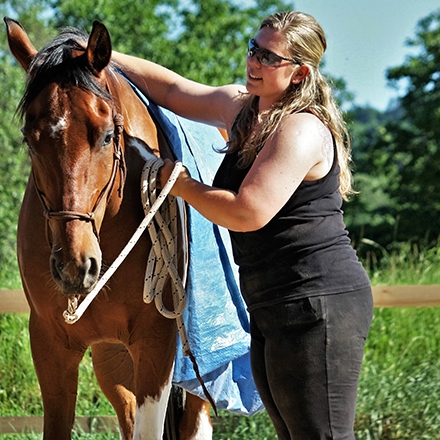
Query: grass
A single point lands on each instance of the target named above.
(399, 390)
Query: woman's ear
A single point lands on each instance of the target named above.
(300, 74)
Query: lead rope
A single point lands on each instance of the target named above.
(74, 313)
(163, 261)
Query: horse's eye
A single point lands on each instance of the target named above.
(108, 139)
(25, 141)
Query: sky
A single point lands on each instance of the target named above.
(365, 38)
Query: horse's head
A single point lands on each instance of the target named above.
(72, 127)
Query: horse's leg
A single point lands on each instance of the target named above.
(196, 420)
(56, 364)
(153, 360)
(114, 370)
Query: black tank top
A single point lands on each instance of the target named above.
(303, 251)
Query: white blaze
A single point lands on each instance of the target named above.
(59, 127)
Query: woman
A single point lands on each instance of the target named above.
(279, 192)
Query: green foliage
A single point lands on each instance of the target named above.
(19, 390)
(422, 74)
(33, 16)
(398, 391)
(203, 40)
(134, 26)
(371, 208)
(14, 169)
(397, 153)
(419, 264)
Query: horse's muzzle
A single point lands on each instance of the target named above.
(75, 278)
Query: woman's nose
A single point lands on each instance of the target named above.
(253, 60)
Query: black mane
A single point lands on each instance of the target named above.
(54, 64)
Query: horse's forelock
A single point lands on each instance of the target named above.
(58, 62)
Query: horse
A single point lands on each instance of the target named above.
(88, 136)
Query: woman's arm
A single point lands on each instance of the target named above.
(215, 106)
(301, 149)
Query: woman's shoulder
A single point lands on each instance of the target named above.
(306, 127)
(304, 137)
(305, 119)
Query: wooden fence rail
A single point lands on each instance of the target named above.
(14, 301)
(34, 424)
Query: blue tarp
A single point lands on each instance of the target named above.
(216, 319)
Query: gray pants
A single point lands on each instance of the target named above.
(306, 358)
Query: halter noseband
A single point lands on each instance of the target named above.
(118, 163)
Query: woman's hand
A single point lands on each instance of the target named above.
(165, 173)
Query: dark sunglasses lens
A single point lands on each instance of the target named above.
(264, 56)
(268, 58)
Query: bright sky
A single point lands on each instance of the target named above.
(365, 38)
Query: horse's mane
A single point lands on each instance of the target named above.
(55, 64)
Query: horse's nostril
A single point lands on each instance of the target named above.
(88, 273)
(94, 267)
(83, 270)
(56, 268)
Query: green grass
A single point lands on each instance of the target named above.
(399, 390)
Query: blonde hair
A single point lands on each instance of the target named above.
(306, 43)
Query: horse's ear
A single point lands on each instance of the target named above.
(19, 43)
(99, 48)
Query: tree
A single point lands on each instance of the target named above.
(14, 167)
(14, 162)
(205, 40)
(415, 139)
(399, 155)
(368, 214)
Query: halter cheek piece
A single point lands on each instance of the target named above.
(118, 163)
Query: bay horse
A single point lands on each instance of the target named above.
(88, 136)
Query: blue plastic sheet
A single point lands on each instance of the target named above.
(215, 317)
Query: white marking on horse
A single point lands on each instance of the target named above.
(141, 148)
(204, 427)
(59, 128)
(150, 416)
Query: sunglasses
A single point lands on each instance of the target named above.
(266, 57)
